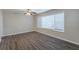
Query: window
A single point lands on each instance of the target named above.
(55, 22)
(47, 22)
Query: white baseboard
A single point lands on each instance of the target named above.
(15, 33)
(0, 39)
(60, 38)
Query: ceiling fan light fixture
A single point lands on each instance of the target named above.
(28, 12)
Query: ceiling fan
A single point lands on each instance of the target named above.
(29, 12)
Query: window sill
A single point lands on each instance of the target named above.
(56, 30)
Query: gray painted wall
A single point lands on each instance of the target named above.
(14, 23)
(1, 19)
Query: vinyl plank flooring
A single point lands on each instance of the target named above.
(35, 41)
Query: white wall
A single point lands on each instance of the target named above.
(1, 24)
(15, 23)
(71, 26)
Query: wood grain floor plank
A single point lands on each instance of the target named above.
(35, 41)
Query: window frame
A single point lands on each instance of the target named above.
(53, 28)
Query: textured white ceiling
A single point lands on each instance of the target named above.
(40, 10)
(36, 10)
(23, 10)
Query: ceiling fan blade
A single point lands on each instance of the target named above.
(29, 12)
(34, 13)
